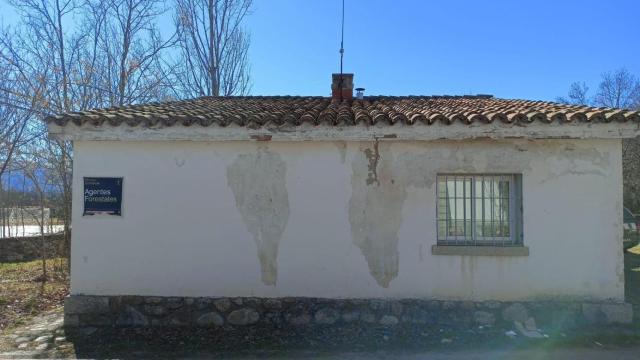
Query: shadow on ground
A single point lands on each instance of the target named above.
(128, 343)
(632, 281)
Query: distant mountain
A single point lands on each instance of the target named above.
(15, 180)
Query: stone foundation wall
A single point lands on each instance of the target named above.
(291, 312)
(29, 248)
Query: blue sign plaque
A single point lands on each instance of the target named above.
(103, 195)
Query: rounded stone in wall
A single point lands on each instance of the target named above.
(484, 318)
(223, 305)
(155, 310)
(245, 316)
(368, 317)
(274, 318)
(449, 305)
(377, 304)
(132, 317)
(179, 318)
(237, 301)
(467, 305)
(350, 315)
(210, 319)
(302, 318)
(415, 315)
(203, 303)
(389, 320)
(272, 304)
(326, 316)
(492, 304)
(515, 312)
(396, 308)
(129, 299)
(174, 303)
(153, 300)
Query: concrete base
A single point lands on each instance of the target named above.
(143, 311)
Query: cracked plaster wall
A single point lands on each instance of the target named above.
(342, 219)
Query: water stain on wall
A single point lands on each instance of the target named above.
(258, 182)
(342, 149)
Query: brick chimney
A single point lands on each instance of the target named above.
(344, 92)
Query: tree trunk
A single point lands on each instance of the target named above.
(43, 239)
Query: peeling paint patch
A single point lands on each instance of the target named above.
(258, 185)
(375, 212)
(374, 157)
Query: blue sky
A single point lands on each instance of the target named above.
(511, 49)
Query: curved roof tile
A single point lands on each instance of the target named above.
(256, 111)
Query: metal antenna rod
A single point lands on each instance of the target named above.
(342, 39)
(341, 52)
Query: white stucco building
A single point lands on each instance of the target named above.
(448, 198)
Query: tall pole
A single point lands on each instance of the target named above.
(341, 50)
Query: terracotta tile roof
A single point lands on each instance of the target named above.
(256, 111)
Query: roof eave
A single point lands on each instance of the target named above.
(360, 132)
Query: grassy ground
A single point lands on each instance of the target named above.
(23, 294)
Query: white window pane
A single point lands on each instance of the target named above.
(474, 208)
(459, 186)
(442, 207)
(442, 188)
(442, 229)
(504, 189)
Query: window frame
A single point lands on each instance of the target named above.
(515, 211)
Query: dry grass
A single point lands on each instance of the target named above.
(23, 293)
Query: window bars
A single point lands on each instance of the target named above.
(476, 210)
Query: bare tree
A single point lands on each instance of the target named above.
(73, 55)
(213, 46)
(15, 131)
(43, 53)
(619, 89)
(577, 94)
(14, 115)
(40, 181)
(126, 52)
(68, 55)
(12, 127)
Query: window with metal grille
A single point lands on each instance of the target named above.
(479, 210)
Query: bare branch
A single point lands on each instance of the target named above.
(619, 89)
(213, 47)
